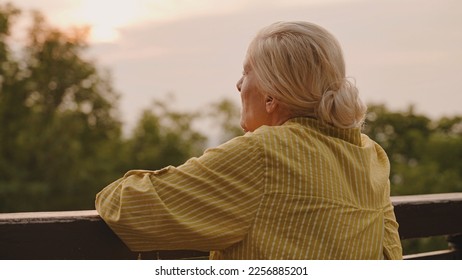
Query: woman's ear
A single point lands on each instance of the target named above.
(270, 104)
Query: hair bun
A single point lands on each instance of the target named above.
(342, 108)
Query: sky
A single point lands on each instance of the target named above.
(400, 52)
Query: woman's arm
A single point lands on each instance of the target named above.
(208, 203)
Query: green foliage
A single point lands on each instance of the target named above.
(427, 244)
(424, 154)
(57, 116)
(60, 137)
(164, 137)
(227, 116)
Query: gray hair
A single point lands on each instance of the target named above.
(301, 65)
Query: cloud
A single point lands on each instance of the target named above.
(400, 52)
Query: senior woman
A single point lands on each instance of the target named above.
(302, 183)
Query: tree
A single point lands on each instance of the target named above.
(58, 118)
(61, 140)
(164, 137)
(11, 95)
(424, 155)
(403, 135)
(226, 115)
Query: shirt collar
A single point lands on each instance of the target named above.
(351, 135)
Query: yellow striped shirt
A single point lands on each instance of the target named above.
(302, 190)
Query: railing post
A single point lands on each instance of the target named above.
(455, 242)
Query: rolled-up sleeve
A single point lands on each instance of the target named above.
(208, 203)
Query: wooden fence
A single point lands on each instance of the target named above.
(84, 235)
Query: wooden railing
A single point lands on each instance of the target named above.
(84, 235)
(431, 215)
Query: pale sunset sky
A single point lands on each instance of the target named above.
(400, 52)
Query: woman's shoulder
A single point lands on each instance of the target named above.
(250, 142)
(265, 133)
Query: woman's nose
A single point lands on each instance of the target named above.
(239, 84)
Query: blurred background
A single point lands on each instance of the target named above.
(91, 89)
